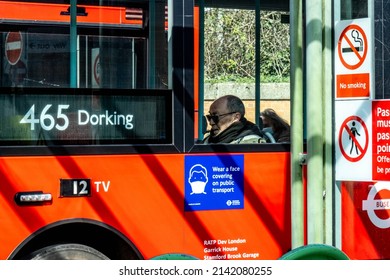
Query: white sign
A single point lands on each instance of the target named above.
(353, 48)
(353, 140)
(353, 59)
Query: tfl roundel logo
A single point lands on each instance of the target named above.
(373, 206)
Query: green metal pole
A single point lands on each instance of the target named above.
(314, 83)
(201, 71)
(152, 45)
(296, 89)
(257, 58)
(73, 43)
(328, 124)
(170, 55)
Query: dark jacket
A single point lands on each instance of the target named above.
(242, 132)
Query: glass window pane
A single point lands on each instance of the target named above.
(120, 47)
(231, 65)
(111, 46)
(351, 9)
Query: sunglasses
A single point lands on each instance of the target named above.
(216, 118)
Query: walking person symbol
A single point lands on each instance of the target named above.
(354, 133)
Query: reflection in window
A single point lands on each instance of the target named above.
(351, 9)
(115, 47)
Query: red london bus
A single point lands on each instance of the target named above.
(98, 140)
(102, 113)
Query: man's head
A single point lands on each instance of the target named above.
(223, 112)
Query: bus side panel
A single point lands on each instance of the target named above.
(262, 229)
(365, 234)
(142, 196)
(59, 13)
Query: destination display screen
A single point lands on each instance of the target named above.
(84, 116)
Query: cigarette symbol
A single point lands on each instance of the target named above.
(348, 50)
(356, 37)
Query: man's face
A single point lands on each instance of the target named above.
(221, 118)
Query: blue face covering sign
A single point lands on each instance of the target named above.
(214, 182)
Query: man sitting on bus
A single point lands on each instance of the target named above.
(229, 125)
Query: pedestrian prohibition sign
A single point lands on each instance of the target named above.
(352, 47)
(353, 138)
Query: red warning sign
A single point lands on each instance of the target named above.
(353, 85)
(381, 140)
(13, 47)
(352, 47)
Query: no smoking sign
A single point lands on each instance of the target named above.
(353, 49)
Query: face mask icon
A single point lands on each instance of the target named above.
(198, 179)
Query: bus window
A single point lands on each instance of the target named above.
(351, 9)
(120, 50)
(45, 62)
(236, 61)
(111, 46)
